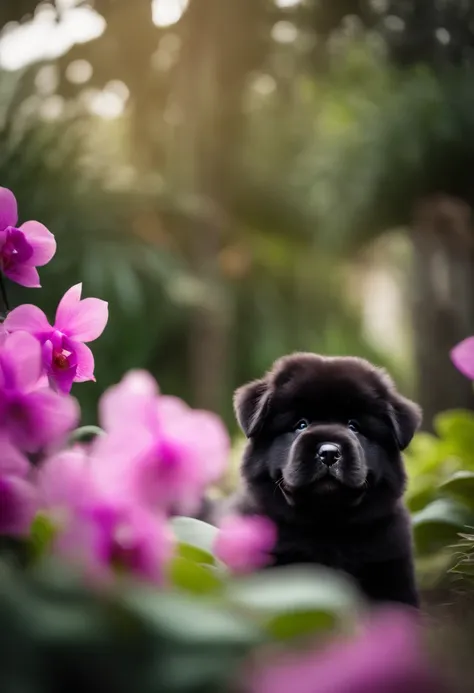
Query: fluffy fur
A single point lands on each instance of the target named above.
(348, 515)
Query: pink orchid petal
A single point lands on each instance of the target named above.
(67, 306)
(61, 380)
(42, 242)
(21, 357)
(141, 543)
(27, 318)
(49, 417)
(133, 401)
(387, 656)
(462, 357)
(244, 543)
(24, 275)
(85, 362)
(87, 321)
(18, 505)
(171, 409)
(8, 209)
(64, 481)
(117, 463)
(12, 462)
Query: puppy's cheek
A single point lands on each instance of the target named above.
(356, 468)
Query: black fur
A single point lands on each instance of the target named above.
(349, 516)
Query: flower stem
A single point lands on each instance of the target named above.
(5, 306)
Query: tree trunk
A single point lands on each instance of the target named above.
(217, 45)
(443, 300)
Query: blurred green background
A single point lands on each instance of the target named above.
(244, 178)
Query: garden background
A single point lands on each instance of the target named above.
(244, 178)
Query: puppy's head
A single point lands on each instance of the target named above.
(322, 429)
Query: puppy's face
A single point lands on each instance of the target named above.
(324, 430)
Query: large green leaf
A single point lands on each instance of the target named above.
(461, 487)
(439, 524)
(195, 539)
(190, 576)
(294, 601)
(456, 427)
(186, 619)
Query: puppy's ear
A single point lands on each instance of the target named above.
(406, 418)
(251, 403)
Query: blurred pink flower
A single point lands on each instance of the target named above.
(157, 448)
(100, 532)
(244, 544)
(17, 494)
(31, 418)
(463, 357)
(387, 657)
(65, 356)
(25, 248)
(126, 537)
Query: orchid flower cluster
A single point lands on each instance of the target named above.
(108, 501)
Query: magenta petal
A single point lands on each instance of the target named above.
(17, 506)
(388, 657)
(142, 543)
(244, 543)
(64, 481)
(12, 462)
(47, 418)
(463, 357)
(24, 275)
(41, 241)
(8, 209)
(88, 321)
(67, 306)
(62, 379)
(21, 360)
(28, 318)
(85, 361)
(132, 402)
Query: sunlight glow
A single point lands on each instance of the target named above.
(108, 103)
(43, 38)
(284, 32)
(79, 71)
(287, 3)
(168, 12)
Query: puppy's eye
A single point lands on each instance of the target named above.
(301, 425)
(353, 425)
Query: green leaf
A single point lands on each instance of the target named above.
(439, 524)
(195, 539)
(456, 427)
(301, 624)
(464, 567)
(41, 535)
(461, 487)
(85, 434)
(294, 601)
(189, 576)
(186, 619)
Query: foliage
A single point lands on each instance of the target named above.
(440, 493)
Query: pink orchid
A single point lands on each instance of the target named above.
(100, 532)
(17, 493)
(66, 358)
(388, 656)
(25, 248)
(244, 544)
(31, 418)
(463, 357)
(157, 448)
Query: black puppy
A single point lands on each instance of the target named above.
(323, 462)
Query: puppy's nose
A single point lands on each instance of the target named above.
(328, 453)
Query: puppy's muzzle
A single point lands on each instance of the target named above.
(328, 454)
